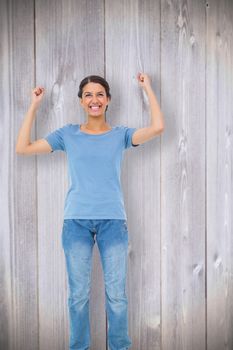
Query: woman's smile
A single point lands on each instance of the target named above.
(95, 107)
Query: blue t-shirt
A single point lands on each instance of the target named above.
(94, 170)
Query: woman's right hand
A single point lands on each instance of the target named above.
(37, 95)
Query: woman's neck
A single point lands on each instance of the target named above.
(96, 126)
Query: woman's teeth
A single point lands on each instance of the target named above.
(95, 107)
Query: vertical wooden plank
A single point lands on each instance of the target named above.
(18, 232)
(183, 175)
(219, 175)
(132, 46)
(5, 201)
(69, 46)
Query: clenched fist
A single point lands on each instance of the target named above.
(144, 80)
(37, 95)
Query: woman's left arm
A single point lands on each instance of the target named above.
(157, 121)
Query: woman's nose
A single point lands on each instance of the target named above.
(95, 98)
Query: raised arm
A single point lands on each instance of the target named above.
(24, 145)
(156, 126)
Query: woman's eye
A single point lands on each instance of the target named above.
(89, 95)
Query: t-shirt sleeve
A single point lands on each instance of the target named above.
(128, 137)
(56, 139)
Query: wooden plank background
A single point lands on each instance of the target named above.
(183, 175)
(219, 175)
(177, 187)
(19, 319)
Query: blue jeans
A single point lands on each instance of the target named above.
(78, 239)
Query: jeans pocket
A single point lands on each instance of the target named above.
(65, 229)
(124, 231)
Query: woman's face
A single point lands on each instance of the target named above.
(94, 99)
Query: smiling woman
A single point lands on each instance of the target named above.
(94, 84)
(94, 94)
(93, 204)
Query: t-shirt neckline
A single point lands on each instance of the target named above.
(102, 133)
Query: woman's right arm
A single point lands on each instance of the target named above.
(24, 145)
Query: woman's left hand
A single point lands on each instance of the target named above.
(144, 80)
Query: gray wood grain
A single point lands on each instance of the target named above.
(135, 27)
(177, 187)
(70, 45)
(183, 175)
(18, 232)
(219, 88)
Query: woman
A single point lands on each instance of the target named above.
(94, 205)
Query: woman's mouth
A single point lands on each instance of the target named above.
(95, 108)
